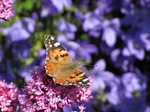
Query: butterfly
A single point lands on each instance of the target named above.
(60, 66)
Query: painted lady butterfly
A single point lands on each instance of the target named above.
(61, 67)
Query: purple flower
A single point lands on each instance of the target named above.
(61, 4)
(97, 71)
(120, 61)
(99, 66)
(133, 82)
(71, 46)
(20, 30)
(66, 28)
(137, 37)
(54, 6)
(21, 48)
(48, 8)
(127, 92)
(75, 108)
(25, 72)
(7, 72)
(8, 97)
(86, 50)
(146, 40)
(134, 48)
(102, 6)
(110, 31)
(81, 107)
(42, 94)
(92, 22)
(113, 88)
(80, 49)
(83, 3)
(107, 6)
(39, 61)
(6, 9)
(29, 24)
(1, 53)
(145, 3)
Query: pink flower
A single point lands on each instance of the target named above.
(6, 9)
(42, 94)
(8, 97)
(81, 107)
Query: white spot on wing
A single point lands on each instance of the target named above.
(80, 82)
(52, 38)
(56, 44)
(84, 80)
(88, 83)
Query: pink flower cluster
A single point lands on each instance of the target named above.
(42, 94)
(8, 97)
(6, 9)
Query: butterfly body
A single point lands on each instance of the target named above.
(61, 67)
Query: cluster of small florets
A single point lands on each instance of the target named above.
(8, 97)
(42, 94)
(6, 9)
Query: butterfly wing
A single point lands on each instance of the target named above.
(56, 56)
(55, 51)
(57, 62)
(77, 78)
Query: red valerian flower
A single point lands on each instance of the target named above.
(8, 97)
(6, 9)
(42, 94)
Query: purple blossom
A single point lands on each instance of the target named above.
(66, 28)
(21, 49)
(82, 49)
(61, 4)
(48, 8)
(7, 72)
(8, 97)
(92, 22)
(86, 50)
(25, 72)
(42, 94)
(81, 107)
(133, 82)
(102, 6)
(146, 40)
(20, 30)
(71, 46)
(29, 24)
(75, 108)
(107, 6)
(110, 31)
(83, 4)
(144, 3)
(6, 9)
(122, 92)
(1, 53)
(120, 61)
(97, 71)
(54, 6)
(134, 48)
(39, 61)
(136, 38)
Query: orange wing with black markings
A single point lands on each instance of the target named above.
(55, 51)
(61, 67)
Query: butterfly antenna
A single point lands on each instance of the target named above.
(90, 65)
